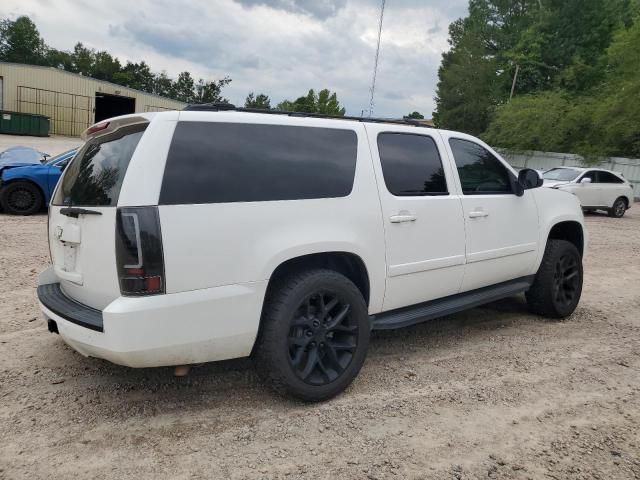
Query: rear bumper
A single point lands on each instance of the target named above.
(173, 329)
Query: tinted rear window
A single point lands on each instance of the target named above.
(212, 162)
(411, 165)
(95, 175)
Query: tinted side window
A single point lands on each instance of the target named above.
(592, 175)
(411, 164)
(94, 176)
(606, 177)
(212, 162)
(480, 172)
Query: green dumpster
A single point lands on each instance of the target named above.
(16, 123)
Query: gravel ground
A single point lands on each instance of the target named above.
(490, 393)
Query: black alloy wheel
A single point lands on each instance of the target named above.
(618, 209)
(314, 334)
(322, 339)
(566, 280)
(557, 287)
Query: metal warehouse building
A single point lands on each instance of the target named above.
(71, 101)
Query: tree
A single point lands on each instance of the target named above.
(82, 58)
(59, 59)
(162, 84)
(467, 91)
(260, 102)
(20, 42)
(183, 88)
(327, 104)
(136, 75)
(570, 93)
(105, 66)
(415, 116)
(324, 102)
(210, 92)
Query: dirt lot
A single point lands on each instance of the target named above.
(490, 393)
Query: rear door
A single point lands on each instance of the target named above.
(82, 216)
(611, 188)
(422, 215)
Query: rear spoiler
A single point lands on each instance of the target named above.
(111, 125)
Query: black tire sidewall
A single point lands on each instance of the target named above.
(10, 188)
(540, 296)
(566, 310)
(273, 351)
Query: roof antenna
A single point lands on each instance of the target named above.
(375, 64)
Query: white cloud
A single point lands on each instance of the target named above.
(279, 47)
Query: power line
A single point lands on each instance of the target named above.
(375, 63)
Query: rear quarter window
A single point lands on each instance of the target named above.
(94, 177)
(212, 162)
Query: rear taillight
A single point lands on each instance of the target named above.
(139, 251)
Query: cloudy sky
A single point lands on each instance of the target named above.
(279, 47)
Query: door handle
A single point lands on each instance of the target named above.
(478, 214)
(402, 218)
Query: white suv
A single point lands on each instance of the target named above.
(185, 237)
(597, 189)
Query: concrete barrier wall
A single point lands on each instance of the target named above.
(630, 168)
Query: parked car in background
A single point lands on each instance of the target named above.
(19, 156)
(24, 190)
(596, 188)
(186, 237)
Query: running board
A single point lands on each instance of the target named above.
(403, 317)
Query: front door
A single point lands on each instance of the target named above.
(589, 193)
(424, 227)
(501, 228)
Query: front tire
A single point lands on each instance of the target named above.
(618, 209)
(315, 335)
(21, 198)
(557, 287)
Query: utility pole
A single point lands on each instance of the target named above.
(515, 78)
(375, 63)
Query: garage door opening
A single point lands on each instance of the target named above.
(108, 106)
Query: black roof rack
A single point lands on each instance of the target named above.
(222, 107)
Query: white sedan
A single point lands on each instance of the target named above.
(597, 189)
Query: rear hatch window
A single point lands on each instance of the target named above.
(95, 175)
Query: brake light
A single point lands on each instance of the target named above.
(139, 251)
(96, 128)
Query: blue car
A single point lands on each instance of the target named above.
(24, 190)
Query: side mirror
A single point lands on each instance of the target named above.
(529, 178)
(585, 180)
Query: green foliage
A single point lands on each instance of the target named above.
(210, 92)
(260, 102)
(578, 83)
(415, 116)
(324, 102)
(20, 42)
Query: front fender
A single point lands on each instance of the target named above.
(554, 207)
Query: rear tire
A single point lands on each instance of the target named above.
(557, 287)
(21, 198)
(618, 208)
(315, 335)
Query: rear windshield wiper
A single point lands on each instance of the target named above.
(75, 212)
